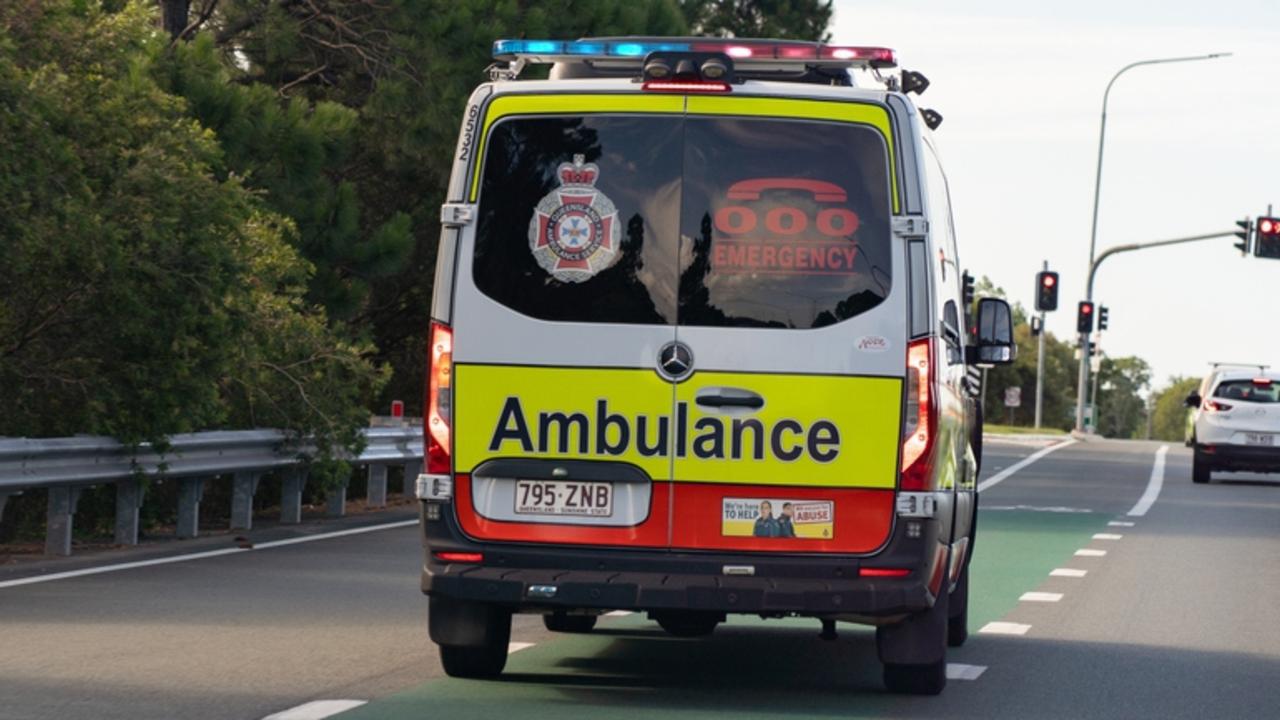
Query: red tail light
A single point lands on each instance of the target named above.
(1215, 406)
(459, 557)
(686, 86)
(883, 572)
(439, 399)
(921, 418)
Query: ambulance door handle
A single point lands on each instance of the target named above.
(733, 399)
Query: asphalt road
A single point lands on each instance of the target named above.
(1177, 619)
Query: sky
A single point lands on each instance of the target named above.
(1190, 148)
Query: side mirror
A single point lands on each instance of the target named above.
(1193, 400)
(995, 345)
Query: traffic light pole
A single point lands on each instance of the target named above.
(1040, 365)
(1083, 386)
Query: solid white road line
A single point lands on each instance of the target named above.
(960, 671)
(201, 555)
(1090, 552)
(1106, 536)
(1068, 572)
(1120, 523)
(1004, 474)
(1005, 628)
(316, 710)
(1038, 508)
(1153, 485)
(516, 647)
(1040, 597)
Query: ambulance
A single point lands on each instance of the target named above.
(700, 346)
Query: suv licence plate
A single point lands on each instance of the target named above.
(1259, 439)
(564, 497)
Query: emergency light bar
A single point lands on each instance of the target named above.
(742, 51)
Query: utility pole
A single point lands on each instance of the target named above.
(1040, 366)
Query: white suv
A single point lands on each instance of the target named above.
(1237, 426)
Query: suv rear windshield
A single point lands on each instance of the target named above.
(1248, 391)
(659, 219)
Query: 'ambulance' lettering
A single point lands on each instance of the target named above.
(613, 434)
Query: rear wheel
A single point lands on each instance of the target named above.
(560, 622)
(688, 624)
(928, 679)
(473, 637)
(914, 651)
(1199, 468)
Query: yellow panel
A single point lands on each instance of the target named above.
(505, 105)
(844, 431)
(865, 113)
(814, 430)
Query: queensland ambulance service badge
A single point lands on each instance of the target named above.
(574, 231)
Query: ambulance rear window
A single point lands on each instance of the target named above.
(659, 219)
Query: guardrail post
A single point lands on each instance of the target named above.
(412, 470)
(295, 480)
(377, 494)
(4, 500)
(336, 505)
(62, 509)
(189, 494)
(244, 485)
(128, 502)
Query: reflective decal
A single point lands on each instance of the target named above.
(778, 518)
(574, 231)
(785, 226)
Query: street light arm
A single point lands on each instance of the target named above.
(1130, 247)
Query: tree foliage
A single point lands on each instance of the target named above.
(1169, 413)
(146, 290)
(782, 19)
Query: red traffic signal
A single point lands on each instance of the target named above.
(1046, 290)
(1084, 317)
(1267, 237)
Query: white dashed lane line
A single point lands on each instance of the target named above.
(1068, 572)
(1004, 628)
(1120, 523)
(1040, 597)
(618, 613)
(1106, 536)
(1089, 552)
(960, 671)
(316, 710)
(516, 647)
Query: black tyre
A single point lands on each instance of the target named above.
(688, 624)
(1200, 469)
(928, 679)
(975, 438)
(464, 661)
(560, 622)
(479, 650)
(958, 612)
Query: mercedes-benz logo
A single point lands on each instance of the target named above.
(675, 361)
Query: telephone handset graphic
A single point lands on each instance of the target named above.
(783, 220)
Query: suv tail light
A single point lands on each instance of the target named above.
(921, 421)
(439, 399)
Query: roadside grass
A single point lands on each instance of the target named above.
(993, 429)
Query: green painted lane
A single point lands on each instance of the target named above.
(750, 668)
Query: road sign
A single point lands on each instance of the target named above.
(1013, 397)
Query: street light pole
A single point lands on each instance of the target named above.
(1093, 231)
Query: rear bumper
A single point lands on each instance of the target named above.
(1240, 457)
(533, 577)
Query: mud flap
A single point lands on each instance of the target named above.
(921, 639)
(462, 623)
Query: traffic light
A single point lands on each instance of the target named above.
(1046, 290)
(966, 285)
(1084, 317)
(1267, 237)
(1246, 229)
(1102, 318)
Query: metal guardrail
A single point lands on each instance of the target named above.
(66, 466)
